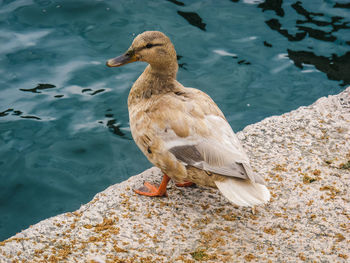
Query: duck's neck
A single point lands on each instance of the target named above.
(154, 81)
(165, 72)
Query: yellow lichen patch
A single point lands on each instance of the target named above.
(274, 195)
(316, 172)
(185, 226)
(302, 256)
(345, 226)
(339, 237)
(270, 250)
(280, 168)
(278, 177)
(345, 165)
(77, 214)
(332, 190)
(269, 230)
(16, 239)
(53, 259)
(307, 179)
(229, 217)
(206, 220)
(127, 215)
(278, 214)
(344, 256)
(64, 250)
(94, 200)
(93, 239)
(249, 257)
(228, 229)
(310, 202)
(38, 251)
(205, 207)
(60, 252)
(181, 258)
(328, 161)
(199, 255)
(253, 217)
(105, 225)
(118, 249)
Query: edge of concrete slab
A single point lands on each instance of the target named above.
(304, 156)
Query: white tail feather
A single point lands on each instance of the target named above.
(243, 192)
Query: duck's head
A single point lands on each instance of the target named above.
(152, 47)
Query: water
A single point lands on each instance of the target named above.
(64, 133)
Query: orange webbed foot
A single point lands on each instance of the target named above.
(151, 190)
(184, 184)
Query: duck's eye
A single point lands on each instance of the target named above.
(149, 45)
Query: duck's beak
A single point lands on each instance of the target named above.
(126, 58)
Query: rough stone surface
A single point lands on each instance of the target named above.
(304, 156)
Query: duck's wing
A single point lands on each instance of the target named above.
(196, 132)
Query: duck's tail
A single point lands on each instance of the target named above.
(243, 192)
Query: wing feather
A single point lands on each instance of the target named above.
(210, 143)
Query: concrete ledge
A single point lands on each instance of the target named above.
(305, 157)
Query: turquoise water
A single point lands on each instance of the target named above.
(64, 133)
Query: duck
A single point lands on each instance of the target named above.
(182, 131)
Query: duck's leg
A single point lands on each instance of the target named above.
(151, 190)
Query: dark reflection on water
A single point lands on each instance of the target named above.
(302, 11)
(59, 145)
(274, 24)
(193, 18)
(85, 90)
(243, 62)
(112, 124)
(181, 65)
(97, 92)
(18, 113)
(39, 87)
(5, 112)
(342, 5)
(30, 117)
(267, 44)
(336, 68)
(177, 2)
(318, 34)
(274, 5)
